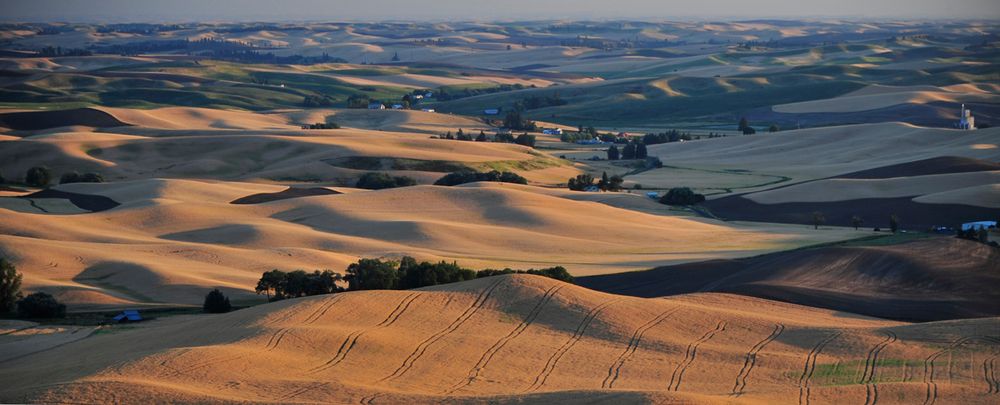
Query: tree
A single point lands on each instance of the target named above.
(857, 222)
(372, 274)
(743, 125)
(893, 223)
(749, 131)
(526, 140)
(10, 286)
(615, 183)
(515, 121)
(273, 280)
(216, 303)
(38, 176)
(481, 137)
(640, 151)
(818, 219)
(613, 152)
(603, 184)
(681, 196)
(395, 57)
(773, 128)
(581, 182)
(628, 152)
(468, 176)
(40, 305)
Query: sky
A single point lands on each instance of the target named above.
(491, 10)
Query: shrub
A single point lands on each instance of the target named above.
(74, 177)
(681, 196)
(379, 181)
(38, 176)
(216, 302)
(10, 286)
(40, 305)
(468, 176)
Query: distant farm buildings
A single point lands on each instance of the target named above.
(553, 131)
(397, 106)
(128, 315)
(979, 225)
(491, 111)
(427, 109)
(376, 106)
(966, 120)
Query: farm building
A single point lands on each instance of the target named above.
(491, 111)
(553, 131)
(966, 120)
(979, 224)
(427, 109)
(397, 106)
(376, 106)
(128, 315)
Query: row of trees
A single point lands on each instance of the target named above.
(381, 274)
(469, 176)
(379, 181)
(856, 221)
(524, 139)
(584, 181)
(632, 150)
(41, 176)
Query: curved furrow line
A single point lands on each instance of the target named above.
(614, 371)
(689, 356)
(751, 360)
(352, 338)
(929, 384)
(485, 359)
(426, 343)
(805, 380)
(989, 373)
(550, 364)
(319, 313)
(871, 368)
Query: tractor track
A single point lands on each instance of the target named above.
(690, 355)
(810, 367)
(352, 338)
(487, 357)
(426, 343)
(751, 360)
(871, 369)
(550, 364)
(614, 371)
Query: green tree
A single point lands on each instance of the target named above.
(525, 140)
(773, 128)
(857, 222)
(640, 151)
(38, 176)
(216, 303)
(372, 274)
(743, 125)
(272, 281)
(10, 286)
(628, 152)
(379, 181)
(681, 196)
(893, 223)
(613, 153)
(40, 305)
(581, 182)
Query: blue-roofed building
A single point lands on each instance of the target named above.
(128, 315)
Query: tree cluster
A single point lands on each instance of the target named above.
(469, 176)
(74, 177)
(313, 101)
(631, 150)
(682, 196)
(517, 122)
(379, 181)
(584, 181)
(445, 94)
(216, 303)
(278, 285)
(38, 176)
(535, 102)
(322, 125)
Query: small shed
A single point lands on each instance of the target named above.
(128, 315)
(376, 106)
(491, 111)
(654, 195)
(979, 224)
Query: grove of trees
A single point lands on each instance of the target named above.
(216, 303)
(682, 196)
(469, 176)
(379, 181)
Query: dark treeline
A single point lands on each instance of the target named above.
(381, 274)
(444, 94)
(534, 102)
(462, 177)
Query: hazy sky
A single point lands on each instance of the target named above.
(443, 10)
